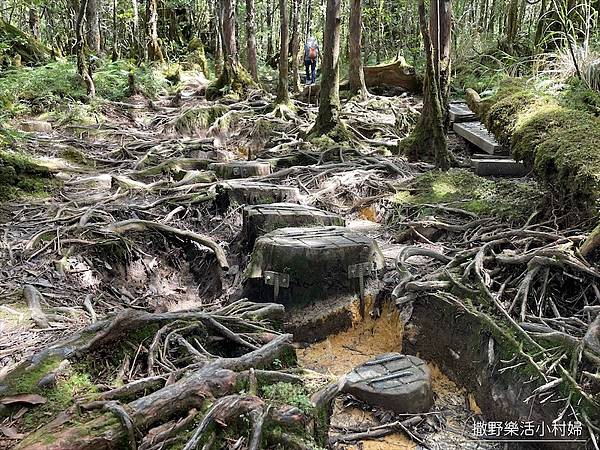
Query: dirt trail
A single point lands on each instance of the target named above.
(134, 226)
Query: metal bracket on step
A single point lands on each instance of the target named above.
(359, 271)
(277, 280)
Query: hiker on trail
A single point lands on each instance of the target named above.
(311, 53)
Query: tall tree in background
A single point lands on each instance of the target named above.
(295, 47)
(135, 31)
(154, 50)
(251, 39)
(82, 67)
(34, 21)
(283, 96)
(428, 140)
(329, 96)
(233, 78)
(356, 76)
(440, 24)
(92, 23)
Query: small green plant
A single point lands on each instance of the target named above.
(289, 394)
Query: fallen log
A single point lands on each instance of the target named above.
(398, 74)
(19, 43)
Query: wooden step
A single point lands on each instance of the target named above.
(460, 112)
(500, 167)
(478, 135)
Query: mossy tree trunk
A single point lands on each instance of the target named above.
(440, 22)
(329, 98)
(428, 139)
(34, 21)
(82, 66)
(356, 76)
(233, 75)
(154, 50)
(22, 44)
(251, 39)
(282, 86)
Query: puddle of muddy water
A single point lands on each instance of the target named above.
(340, 353)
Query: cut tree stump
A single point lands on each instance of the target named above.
(397, 74)
(298, 266)
(261, 219)
(395, 382)
(240, 169)
(244, 192)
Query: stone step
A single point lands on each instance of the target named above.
(501, 167)
(394, 382)
(240, 169)
(259, 220)
(478, 135)
(246, 192)
(460, 112)
(299, 266)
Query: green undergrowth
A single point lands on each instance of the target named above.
(69, 386)
(33, 90)
(20, 175)
(459, 188)
(288, 394)
(553, 129)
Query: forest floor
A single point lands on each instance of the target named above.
(146, 162)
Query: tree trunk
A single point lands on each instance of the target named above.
(251, 39)
(428, 139)
(356, 76)
(137, 48)
(269, 29)
(34, 22)
(218, 50)
(512, 22)
(541, 24)
(329, 97)
(282, 87)
(92, 20)
(154, 50)
(115, 51)
(296, 8)
(440, 24)
(82, 67)
(308, 20)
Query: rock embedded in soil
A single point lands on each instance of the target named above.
(395, 382)
(244, 192)
(297, 266)
(36, 126)
(259, 220)
(240, 169)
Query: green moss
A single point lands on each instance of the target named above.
(509, 200)
(59, 398)
(75, 156)
(288, 394)
(199, 117)
(26, 382)
(19, 174)
(553, 133)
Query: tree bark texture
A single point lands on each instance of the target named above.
(154, 50)
(82, 67)
(92, 20)
(282, 86)
(251, 39)
(329, 97)
(295, 47)
(356, 76)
